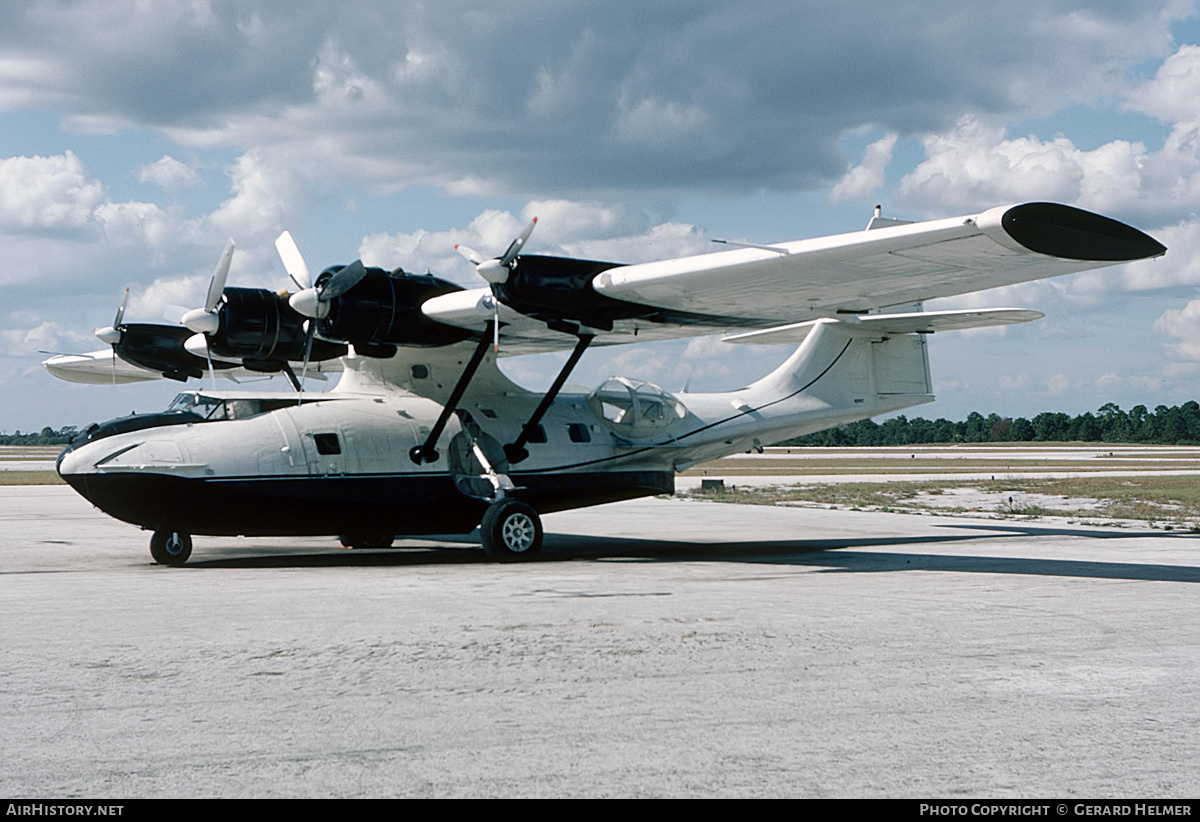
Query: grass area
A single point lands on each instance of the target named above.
(1172, 502)
(975, 459)
(11, 455)
(30, 478)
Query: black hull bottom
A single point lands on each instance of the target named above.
(333, 506)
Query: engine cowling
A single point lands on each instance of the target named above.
(559, 290)
(259, 328)
(160, 348)
(383, 311)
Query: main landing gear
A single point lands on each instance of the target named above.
(511, 531)
(169, 547)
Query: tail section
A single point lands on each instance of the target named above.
(842, 371)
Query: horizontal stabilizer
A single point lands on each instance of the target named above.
(920, 322)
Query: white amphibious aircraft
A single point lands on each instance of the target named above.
(423, 434)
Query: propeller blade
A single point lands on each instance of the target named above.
(468, 253)
(121, 310)
(220, 275)
(293, 261)
(111, 334)
(343, 281)
(515, 248)
(205, 320)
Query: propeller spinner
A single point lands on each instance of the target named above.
(313, 300)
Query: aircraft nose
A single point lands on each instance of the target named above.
(69, 461)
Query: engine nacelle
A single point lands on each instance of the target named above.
(383, 310)
(160, 348)
(559, 290)
(260, 329)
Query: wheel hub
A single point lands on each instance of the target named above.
(518, 533)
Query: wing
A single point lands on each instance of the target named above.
(102, 367)
(549, 303)
(769, 286)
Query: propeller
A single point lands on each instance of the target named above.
(495, 271)
(313, 300)
(111, 334)
(205, 320)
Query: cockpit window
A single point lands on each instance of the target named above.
(215, 408)
(209, 408)
(635, 409)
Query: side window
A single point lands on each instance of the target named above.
(327, 444)
(578, 432)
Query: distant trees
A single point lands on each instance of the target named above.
(47, 436)
(1176, 425)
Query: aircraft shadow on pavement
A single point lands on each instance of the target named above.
(823, 555)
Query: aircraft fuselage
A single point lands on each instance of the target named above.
(341, 463)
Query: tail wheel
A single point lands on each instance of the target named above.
(170, 547)
(511, 531)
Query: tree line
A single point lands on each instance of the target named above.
(47, 436)
(1174, 425)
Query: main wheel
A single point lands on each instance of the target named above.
(511, 530)
(170, 547)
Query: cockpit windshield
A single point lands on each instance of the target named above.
(210, 408)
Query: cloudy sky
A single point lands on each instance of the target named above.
(136, 136)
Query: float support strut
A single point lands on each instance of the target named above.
(516, 451)
(427, 452)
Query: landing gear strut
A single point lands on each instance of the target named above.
(515, 451)
(169, 547)
(511, 531)
(426, 452)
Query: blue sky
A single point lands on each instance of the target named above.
(135, 137)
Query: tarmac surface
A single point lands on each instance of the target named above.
(661, 647)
